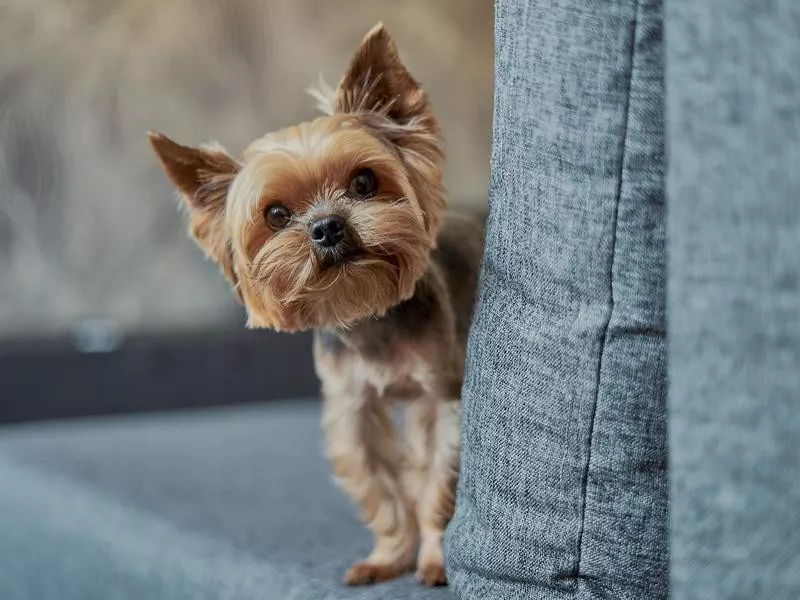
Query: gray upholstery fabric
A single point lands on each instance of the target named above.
(228, 504)
(733, 90)
(563, 491)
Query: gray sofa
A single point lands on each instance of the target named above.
(224, 503)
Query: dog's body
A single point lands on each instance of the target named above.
(413, 353)
(336, 225)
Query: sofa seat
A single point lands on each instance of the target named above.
(233, 503)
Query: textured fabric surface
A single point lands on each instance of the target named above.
(733, 107)
(564, 488)
(228, 504)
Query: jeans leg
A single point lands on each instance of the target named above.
(563, 488)
(733, 114)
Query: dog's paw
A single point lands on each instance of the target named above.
(431, 573)
(365, 573)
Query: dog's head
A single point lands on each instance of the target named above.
(330, 221)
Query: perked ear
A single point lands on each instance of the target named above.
(203, 176)
(377, 81)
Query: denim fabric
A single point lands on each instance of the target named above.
(733, 107)
(563, 490)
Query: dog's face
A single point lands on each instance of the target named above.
(333, 220)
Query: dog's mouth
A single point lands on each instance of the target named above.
(337, 257)
(347, 251)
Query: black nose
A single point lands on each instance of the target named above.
(327, 231)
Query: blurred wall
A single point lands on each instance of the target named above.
(88, 225)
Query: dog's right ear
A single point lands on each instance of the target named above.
(203, 176)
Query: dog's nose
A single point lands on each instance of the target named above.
(327, 231)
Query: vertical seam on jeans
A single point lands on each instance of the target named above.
(606, 324)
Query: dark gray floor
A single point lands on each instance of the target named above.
(228, 503)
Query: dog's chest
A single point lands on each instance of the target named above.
(392, 364)
(391, 354)
(397, 373)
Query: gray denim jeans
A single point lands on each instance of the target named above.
(565, 490)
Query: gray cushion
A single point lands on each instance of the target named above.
(564, 488)
(233, 503)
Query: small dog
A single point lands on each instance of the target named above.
(337, 225)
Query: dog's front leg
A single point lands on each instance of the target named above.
(367, 463)
(433, 434)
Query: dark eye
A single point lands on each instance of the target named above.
(363, 183)
(277, 216)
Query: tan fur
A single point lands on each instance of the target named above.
(394, 311)
(407, 495)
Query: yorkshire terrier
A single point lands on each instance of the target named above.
(336, 225)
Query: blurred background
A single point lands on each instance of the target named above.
(105, 304)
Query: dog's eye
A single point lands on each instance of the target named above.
(363, 183)
(277, 216)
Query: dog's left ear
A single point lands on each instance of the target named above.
(377, 81)
(203, 176)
